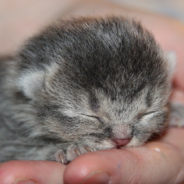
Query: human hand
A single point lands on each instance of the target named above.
(156, 162)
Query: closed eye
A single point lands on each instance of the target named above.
(96, 117)
(144, 114)
(149, 113)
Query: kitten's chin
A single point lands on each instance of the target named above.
(102, 144)
(108, 144)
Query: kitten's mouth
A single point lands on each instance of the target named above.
(121, 142)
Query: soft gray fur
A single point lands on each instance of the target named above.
(80, 84)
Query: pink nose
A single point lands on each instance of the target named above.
(121, 142)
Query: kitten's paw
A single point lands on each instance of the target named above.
(73, 151)
(60, 156)
(76, 150)
(176, 115)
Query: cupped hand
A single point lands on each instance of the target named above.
(156, 162)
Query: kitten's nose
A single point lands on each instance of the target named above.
(121, 142)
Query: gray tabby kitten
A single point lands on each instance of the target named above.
(84, 85)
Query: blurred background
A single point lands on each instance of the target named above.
(172, 8)
(21, 19)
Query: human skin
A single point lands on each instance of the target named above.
(157, 162)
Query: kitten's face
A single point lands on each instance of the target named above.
(96, 118)
(100, 81)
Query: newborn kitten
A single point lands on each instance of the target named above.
(84, 85)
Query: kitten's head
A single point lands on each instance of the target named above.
(95, 81)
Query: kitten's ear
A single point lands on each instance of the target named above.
(171, 60)
(31, 82)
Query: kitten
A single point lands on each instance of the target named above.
(83, 85)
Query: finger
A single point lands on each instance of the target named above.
(170, 40)
(154, 163)
(177, 95)
(173, 40)
(179, 72)
(175, 137)
(38, 172)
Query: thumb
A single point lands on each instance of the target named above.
(154, 163)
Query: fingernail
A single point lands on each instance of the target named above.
(97, 178)
(24, 181)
